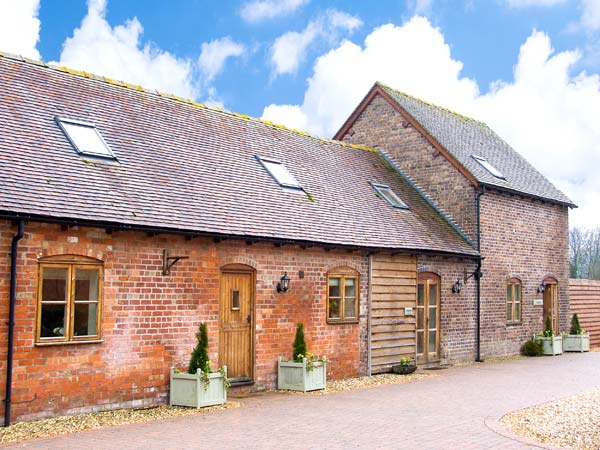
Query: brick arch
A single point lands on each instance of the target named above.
(71, 250)
(69, 258)
(343, 264)
(243, 260)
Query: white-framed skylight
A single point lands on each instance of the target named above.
(488, 166)
(279, 172)
(85, 138)
(389, 195)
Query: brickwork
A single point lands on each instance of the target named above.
(149, 320)
(380, 125)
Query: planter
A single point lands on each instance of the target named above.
(188, 389)
(404, 370)
(551, 345)
(576, 342)
(295, 376)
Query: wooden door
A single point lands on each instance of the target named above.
(236, 311)
(428, 318)
(551, 303)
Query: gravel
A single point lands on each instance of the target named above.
(572, 422)
(70, 424)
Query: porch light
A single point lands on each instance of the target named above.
(541, 288)
(457, 286)
(284, 283)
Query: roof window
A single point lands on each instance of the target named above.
(278, 171)
(487, 166)
(389, 195)
(85, 138)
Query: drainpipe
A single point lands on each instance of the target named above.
(369, 304)
(478, 275)
(11, 320)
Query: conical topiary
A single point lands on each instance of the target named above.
(575, 326)
(299, 344)
(199, 358)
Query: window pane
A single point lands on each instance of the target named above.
(517, 292)
(334, 308)
(350, 308)
(421, 294)
(280, 173)
(432, 318)
(420, 320)
(392, 198)
(235, 300)
(432, 342)
(509, 311)
(86, 284)
(509, 293)
(350, 287)
(87, 139)
(433, 290)
(334, 287)
(518, 311)
(85, 319)
(54, 284)
(53, 321)
(420, 337)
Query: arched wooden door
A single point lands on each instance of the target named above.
(428, 317)
(236, 322)
(551, 302)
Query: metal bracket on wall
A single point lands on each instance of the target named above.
(169, 261)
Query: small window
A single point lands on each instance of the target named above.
(278, 171)
(487, 166)
(513, 300)
(389, 195)
(342, 298)
(85, 138)
(69, 301)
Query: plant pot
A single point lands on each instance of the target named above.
(403, 369)
(189, 389)
(295, 376)
(576, 342)
(551, 345)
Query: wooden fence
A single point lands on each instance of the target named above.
(585, 301)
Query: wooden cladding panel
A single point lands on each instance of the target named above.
(393, 288)
(584, 297)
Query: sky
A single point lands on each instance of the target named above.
(530, 69)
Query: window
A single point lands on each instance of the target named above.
(85, 138)
(389, 195)
(487, 166)
(342, 298)
(278, 171)
(69, 299)
(513, 300)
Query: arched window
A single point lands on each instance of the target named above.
(342, 295)
(513, 300)
(69, 299)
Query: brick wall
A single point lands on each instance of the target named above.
(149, 320)
(380, 125)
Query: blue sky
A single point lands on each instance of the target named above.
(529, 68)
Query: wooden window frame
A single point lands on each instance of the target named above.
(72, 264)
(512, 282)
(343, 277)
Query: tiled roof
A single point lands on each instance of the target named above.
(185, 166)
(463, 137)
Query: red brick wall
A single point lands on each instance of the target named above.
(149, 320)
(380, 125)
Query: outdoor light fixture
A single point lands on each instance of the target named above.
(541, 288)
(457, 286)
(284, 284)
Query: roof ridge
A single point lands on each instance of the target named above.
(126, 85)
(433, 105)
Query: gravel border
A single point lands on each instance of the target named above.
(571, 422)
(56, 426)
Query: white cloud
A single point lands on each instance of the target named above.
(215, 53)
(590, 16)
(117, 53)
(545, 113)
(260, 10)
(20, 27)
(289, 50)
(529, 3)
(420, 7)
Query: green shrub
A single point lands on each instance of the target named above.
(575, 326)
(199, 358)
(532, 348)
(548, 331)
(299, 344)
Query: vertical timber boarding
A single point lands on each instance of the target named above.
(393, 287)
(585, 301)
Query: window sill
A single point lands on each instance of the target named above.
(53, 343)
(341, 322)
(513, 324)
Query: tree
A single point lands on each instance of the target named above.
(584, 253)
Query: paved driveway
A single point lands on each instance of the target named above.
(458, 409)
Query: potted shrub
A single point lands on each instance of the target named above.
(532, 347)
(199, 387)
(406, 366)
(305, 372)
(577, 340)
(551, 344)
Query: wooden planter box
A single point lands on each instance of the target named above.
(576, 342)
(294, 376)
(551, 345)
(189, 390)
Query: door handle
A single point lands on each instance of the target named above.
(249, 318)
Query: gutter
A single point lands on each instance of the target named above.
(11, 319)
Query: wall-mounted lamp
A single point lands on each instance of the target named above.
(541, 288)
(457, 286)
(284, 283)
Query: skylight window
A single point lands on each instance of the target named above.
(389, 195)
(278, 171)
(487, 166)
(85, 138)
